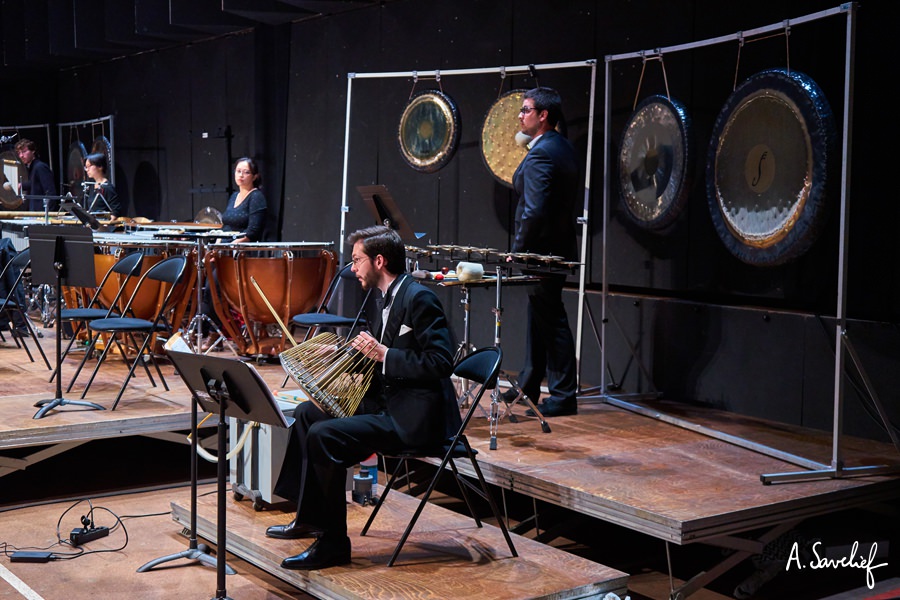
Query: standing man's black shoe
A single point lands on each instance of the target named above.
(292, 531)
(323, 553)
(553, 407)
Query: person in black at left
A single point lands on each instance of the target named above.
(40, 178)
(96, 168)
(410, 403)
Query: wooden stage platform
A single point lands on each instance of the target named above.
(446, 557)
(640, 473)
(143, 409)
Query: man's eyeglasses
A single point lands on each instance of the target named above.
(358, 259)
(527, 109)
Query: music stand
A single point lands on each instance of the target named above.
(86, 218)
(234, 389)
(61, 253)
(385, 210)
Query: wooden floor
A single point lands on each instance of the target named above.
(644, 478)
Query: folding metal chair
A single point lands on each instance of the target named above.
(481, 367)
(15, 310)
(168, 272)
(125, 268)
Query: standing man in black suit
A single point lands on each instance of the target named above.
(40, 178)
(414, 405)
(547, 184)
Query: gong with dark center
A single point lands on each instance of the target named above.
(102, 145)
(429, 131)
(75, 167)
(655, 163)
(500, 148)
(768, 167)
(14, 171)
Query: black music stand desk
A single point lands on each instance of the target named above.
(386, 212)
(61, 255)
(234, 389)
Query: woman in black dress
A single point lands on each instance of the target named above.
(246, 210)
(245, 218)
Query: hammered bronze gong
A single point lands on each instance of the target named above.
(768, 167)
(429, 131)
(14, 171)
(655, 163)
(499, 147)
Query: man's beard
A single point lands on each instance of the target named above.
(368, 282)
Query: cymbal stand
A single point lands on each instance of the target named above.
(465, 347)
(496, 397)
(199, 316)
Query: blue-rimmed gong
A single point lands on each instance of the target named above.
(656, 159)
(768, 167)
(429, 131)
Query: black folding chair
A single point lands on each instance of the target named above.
(14, 311)
(126, 267)
(481, 367)
(322, 317)
(168, 272)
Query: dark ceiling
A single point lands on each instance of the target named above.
(53, 34)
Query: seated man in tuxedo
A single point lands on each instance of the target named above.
(409, 405)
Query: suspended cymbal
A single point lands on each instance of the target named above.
(208, 215)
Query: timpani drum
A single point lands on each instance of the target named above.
(293, 277)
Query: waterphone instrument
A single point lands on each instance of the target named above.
(333, 374)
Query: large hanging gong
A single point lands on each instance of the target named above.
(429, 131)
(13, 172)
(75, 167)
(102, 145)
(768, 165)
(499, 146)
(656, 159)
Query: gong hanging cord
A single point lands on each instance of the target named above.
(415, 74)
(742, 40)
(502, 82)
(644, 58)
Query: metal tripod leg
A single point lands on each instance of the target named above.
(520, 395)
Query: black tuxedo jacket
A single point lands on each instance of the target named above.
(547, 184)
(414, 381)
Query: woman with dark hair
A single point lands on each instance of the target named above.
(247, 207)
(245, 217)
(96, 167)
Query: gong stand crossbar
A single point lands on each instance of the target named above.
(503, 71)
(111, 167)
(842, 345)
(44, 126)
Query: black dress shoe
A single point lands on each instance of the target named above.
(552, 407)
(292, 531)
(323, 553)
